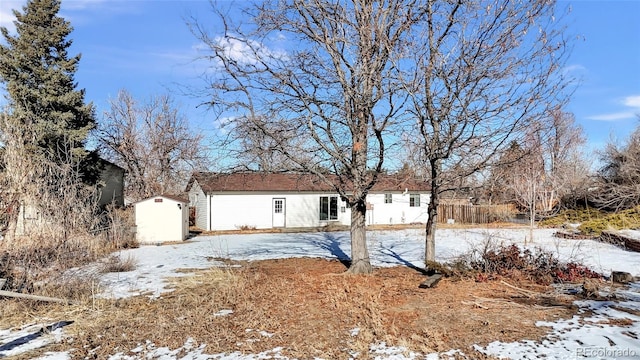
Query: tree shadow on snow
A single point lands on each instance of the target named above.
(32, 336)
(331, 243)
(390, 252)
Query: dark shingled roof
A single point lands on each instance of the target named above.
(292, 182)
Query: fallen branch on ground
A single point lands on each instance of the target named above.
(525, 292)
(11, 294)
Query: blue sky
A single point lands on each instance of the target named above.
(146, 48)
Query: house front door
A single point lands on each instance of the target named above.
(279, 212)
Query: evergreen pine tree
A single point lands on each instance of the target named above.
(38, 74)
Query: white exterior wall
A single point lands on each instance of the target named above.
(200, 201)
(232, 211)
(398, 211)
(158, 222)
(255, 210)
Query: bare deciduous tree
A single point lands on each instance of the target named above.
(482, 72)
(566, 170)
(546, 167)
(152, 142)
(526, 180)
(327, 101)
(617, 184)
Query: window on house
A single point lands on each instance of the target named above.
(277, 206)
(328, 208)
(387, 198)
(414, 200)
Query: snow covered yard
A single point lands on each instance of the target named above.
(601, 329)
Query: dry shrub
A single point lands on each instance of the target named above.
(116, 263)
(40, 259)
(245, 227)
(539, 266)
(45, 253)
(572, 272)
(50, 216)
(119, 228)
(78, 287)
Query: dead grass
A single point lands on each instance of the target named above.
(309, 307)
(116, 263)
(41, 260)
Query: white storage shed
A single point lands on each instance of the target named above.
(162, 218)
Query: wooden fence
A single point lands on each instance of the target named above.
(474, 214)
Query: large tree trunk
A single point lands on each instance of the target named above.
(430, 241)
(430, 245)
(360, 263)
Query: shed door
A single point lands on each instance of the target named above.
(278, 212)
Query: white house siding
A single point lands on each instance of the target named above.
(232, 211)
(304, 211)
(200, 201)
(398, 211)
(160, 219)
(255, 210)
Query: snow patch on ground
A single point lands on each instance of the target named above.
(30, 337)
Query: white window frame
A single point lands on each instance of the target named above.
(414, 200)
(331, 208)
(388, 198)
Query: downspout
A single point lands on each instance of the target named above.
(210, 214)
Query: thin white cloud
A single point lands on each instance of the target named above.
(247, 52)
(222, 124)
(613, 116)
(81, 4)
(631, 102)
(237, 50)
(6, 13)
(573, 68)
(73, 10)
(5, 17)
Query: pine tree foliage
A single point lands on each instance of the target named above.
(38, 74)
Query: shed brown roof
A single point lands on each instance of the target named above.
(168, 196)
(296, 182)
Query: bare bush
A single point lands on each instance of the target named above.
(492, 260)
(119, 228)
(51, 213)
(117, 263)
(617, 185)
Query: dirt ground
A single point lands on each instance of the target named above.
(310, 308)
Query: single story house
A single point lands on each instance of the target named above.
(162, 218)
(292, 200)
